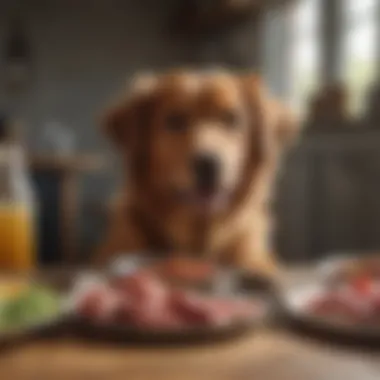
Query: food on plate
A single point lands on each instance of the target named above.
(28, 305)
(206, 310)
(100, 302)
(355, 300)
(144, 300)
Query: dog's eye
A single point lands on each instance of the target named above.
(230, 118)
(176, 122)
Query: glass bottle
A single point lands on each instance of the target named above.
(17, 207)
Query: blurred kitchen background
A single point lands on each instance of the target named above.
(63, 60)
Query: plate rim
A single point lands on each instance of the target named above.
(334, 327)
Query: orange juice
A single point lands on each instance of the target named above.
(17, 240)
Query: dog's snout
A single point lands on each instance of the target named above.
(206, 168)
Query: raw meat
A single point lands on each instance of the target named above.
(144, 301)
(100, 304)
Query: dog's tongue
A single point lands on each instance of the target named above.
(210, 200)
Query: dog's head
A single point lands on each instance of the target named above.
(195, 138)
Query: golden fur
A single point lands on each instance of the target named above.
(229, 115)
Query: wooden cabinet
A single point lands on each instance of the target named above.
(329, 196)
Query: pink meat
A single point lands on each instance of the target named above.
(341, 306)
(235, 309)
(189, 308)
(144, 301)
(376, 304)
(149, 307)
(100, 304)
(162, 318)
(142, 288)
(195, 309)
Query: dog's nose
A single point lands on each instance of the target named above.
(206, 169)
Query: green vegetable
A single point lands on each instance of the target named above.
(36, 305)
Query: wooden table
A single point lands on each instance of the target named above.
(267, 354)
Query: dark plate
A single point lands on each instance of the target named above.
(293, 305)
(124, 334)
(25, 334)
(228, 283)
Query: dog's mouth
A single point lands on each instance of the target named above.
(212, 202)
(207, 201)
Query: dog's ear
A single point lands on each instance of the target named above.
(273, 123)
(122, 120)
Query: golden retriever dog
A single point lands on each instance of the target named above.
(200, 151)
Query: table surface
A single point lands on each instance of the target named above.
(266, 354)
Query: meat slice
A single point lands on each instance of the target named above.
(144, 301)
(141, 288)
(236, 309)
(100, 304)
(195, 309)
(375, 301)
(149, 306)
(190, 308)
(341, 306)
(162, 318)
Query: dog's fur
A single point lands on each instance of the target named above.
(229, 115)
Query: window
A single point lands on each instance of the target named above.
(357, 53)
(306, 54)
(359, 60)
